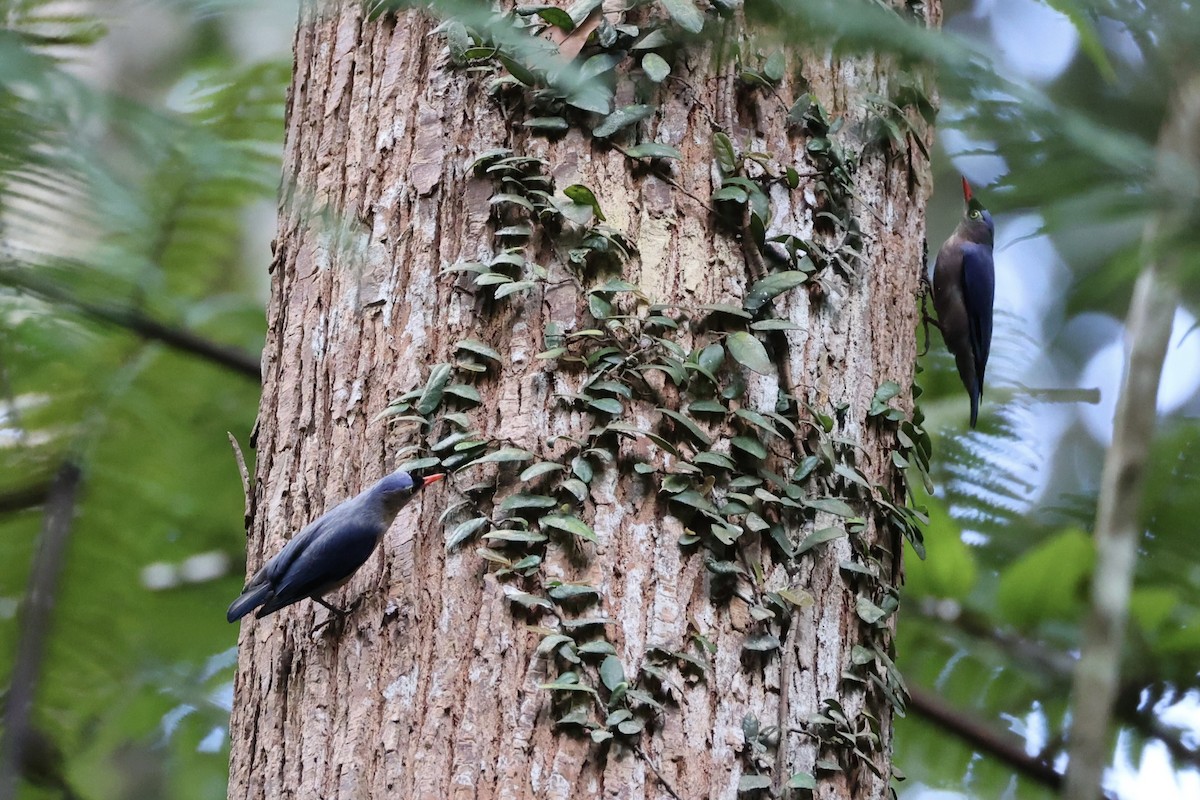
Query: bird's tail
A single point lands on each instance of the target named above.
(252, 598)
(976, 394)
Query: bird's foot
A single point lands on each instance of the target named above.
(337, 616)
(926, 321)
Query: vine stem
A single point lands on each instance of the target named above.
(662, 779)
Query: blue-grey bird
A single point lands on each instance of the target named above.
(323, 556)
(964, 286)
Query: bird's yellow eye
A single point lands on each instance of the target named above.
(975, 214)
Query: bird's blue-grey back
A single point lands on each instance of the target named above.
(964, 286)
(325, 552)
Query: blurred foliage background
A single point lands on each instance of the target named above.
(139, 161)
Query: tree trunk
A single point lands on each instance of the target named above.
(432, 688)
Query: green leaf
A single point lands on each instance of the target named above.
(773, 69)
(697, 501)
(801, 780)
(577, 488)
(518, 70)
(598, 647)
(749, 445)
(797, 597)
(450, 510)
(725, 308)
(726, 156)
(545, 124)
(731, 194)
(868, 612)
(574, 591)
(819, 537)
(631, 727)
(435, 387)
(759, 421)
(711, 358)
(831, 505)
(748, 351)
(582, 9)
(513, 288)
(634, 431)
(492, 279)
(753, 783)
(523, 500)
(710, 406)
(584, 196)
(622, 118)
(1089, 37)
(511, 199)
(570, 524)
(567, 686)
(612, 387)
(775, 325)
(464, 392)
(714, 460)
(612, 673)
(513, 535)
(465, 531)
(541, 468)
(724, 567)
(420, 463)
(551, 14)
(597, 65)
(656, 67)
(582, 468)
(607, 405)
(886, 391)
(504, 454)
(653, 40)
(478, 348)
(771, 286)
(689, 425)
(653, 150)
(530, 601)
(685, 14)
(762, 643)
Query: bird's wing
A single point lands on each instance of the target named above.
(326, 561)
(278, 566)
(979, 290)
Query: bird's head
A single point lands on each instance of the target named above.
(977, 225)
(399, 487)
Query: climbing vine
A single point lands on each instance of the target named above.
(664, 386)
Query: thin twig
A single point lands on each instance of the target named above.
(228, 356)
(1001, 744)
(28, 496)
(35, 622)
(248, 513)
(653, 768)
(1058, 665)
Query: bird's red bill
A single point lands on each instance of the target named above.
(966, 190)
(432, 479)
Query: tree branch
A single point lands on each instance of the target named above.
(1058, 665)
(228, 356)
(1007, 747)
(35, 622)
(24, 497)
(1118, 524)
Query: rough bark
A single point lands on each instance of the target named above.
(431, 689)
